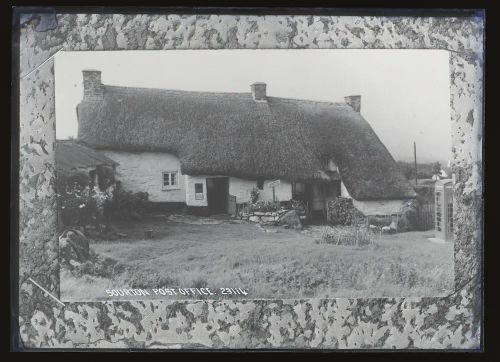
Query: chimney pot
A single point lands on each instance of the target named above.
(259, 91)
(92, 85)
(354, 102)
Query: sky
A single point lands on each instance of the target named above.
(405, 94)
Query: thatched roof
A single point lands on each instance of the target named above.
(72, 155)
(231, 134)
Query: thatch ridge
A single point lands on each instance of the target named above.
(230, 133)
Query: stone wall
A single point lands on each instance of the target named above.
(142, 172)
(269, 217)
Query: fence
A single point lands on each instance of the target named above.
(424, 219)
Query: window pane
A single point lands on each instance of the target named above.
(166, 180)
(298, 187)
(173, 179)
(198, 188)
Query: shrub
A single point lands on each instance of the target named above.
(126, 205)
(341, 211)
(264, 206)
(425, 193)
(106, 176)
(70, 179)
(254, 195)
(79, 202)
(408, 216)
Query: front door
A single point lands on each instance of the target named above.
(217, 194)
(320, 193)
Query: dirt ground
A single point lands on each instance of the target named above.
(265, 262)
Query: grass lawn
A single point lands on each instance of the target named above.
(273, 264)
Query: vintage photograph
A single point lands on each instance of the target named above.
(254, 174)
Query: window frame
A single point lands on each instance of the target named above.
(294, 188)
(170, 186)
(325, 162)
(199, 195)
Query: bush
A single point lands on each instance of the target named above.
(106, 176)
(79, 202)
(341, 211)
(254, 195)
(425, 193)
(71, 179)
(126, 205)
(264, 206)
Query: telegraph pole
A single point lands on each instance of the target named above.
(415, 157)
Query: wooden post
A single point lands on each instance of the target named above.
(415, 157)
(274, 195)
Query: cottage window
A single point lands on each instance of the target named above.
(298, 188)
(170, 180)
(198, 191)
(325, 162)
(260, 184)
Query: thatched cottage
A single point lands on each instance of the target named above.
(205, 149)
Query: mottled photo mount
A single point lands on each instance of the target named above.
(451, 322)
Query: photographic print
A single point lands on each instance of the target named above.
(256, 174)
(249, 181)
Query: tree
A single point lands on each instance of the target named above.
(436, 168)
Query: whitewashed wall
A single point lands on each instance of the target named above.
(143, 172)
(343, 191)
(241, 188)
(373, 207)
(283, 191)
(378, 207)
(190, 194)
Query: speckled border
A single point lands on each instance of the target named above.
(453, 322)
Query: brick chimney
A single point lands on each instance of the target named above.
(354, 102)
(259, 91)
(92, 86)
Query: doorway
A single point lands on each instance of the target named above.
(217, 194)
(319, 194)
